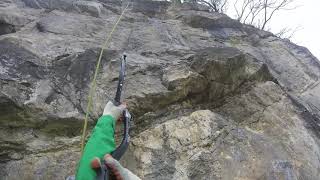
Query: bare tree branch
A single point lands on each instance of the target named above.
(223, 6)
(214, 5)
(267, 5)
(243, 9)
(287, 32)
(255, 11)
(259, 12)
(235, 8)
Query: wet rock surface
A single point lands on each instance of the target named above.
(212, 98)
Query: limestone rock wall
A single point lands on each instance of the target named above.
(211, 98)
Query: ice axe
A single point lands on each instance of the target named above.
(103, 173)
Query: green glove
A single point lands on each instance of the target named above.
(101, 141)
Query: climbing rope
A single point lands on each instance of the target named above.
(93, 83)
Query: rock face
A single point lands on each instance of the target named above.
(212, 98)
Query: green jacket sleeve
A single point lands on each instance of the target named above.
(101, 142)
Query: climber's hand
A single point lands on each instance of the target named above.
(120, 172)
(114, 111)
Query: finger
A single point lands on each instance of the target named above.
(122, 107)
(121, 118)
(118, 177)
(115, 172)
(96, 163)
(124, 103)
(110, 161)
(110, 103)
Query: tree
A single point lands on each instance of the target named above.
(214, 5)
(287, 32)
(259, 12)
